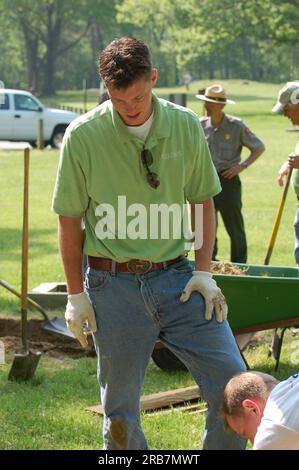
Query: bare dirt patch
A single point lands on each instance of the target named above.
(53, 344)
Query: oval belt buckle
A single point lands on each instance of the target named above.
(139, 266)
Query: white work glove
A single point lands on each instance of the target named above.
(202, 282)
(79, 310)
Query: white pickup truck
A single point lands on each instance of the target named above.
(19, 115)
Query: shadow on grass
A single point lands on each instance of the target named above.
(67, 373)
(82, 374)
(11, 243)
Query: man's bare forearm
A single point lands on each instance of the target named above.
(70, 235)
(254, 155)
(203, 255)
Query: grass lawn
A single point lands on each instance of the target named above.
(48, 413)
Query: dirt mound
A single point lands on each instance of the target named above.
(53, 344)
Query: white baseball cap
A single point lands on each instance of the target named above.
(289, 94)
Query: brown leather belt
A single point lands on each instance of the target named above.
(135, 266)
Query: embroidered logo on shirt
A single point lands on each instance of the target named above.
(227, 136)
(171, 156)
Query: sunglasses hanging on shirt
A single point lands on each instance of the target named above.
(147, 160)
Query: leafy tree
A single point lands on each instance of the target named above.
(49, 44)
(50, 28)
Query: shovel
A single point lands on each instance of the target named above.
(24, 363)
(56, 325)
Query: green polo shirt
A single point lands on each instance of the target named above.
(101, 179)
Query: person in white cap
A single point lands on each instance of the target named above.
(288, 104)
(226, 136)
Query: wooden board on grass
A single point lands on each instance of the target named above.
(160, 400)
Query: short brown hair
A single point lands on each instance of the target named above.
(242, 386)
(124, 61)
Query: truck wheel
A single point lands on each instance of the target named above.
(166, 360)
(56, 139)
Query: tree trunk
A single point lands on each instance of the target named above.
(211, 71)
(97, 45)
(54, 24)
(48, 87)
(31, 46)
(249, 57)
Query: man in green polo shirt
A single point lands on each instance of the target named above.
(127, 170)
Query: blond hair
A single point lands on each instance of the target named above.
(243, 386)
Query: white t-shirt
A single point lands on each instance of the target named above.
(142, 131)
(279, 428)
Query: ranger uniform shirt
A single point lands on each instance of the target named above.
(101, 179)
(226, 141)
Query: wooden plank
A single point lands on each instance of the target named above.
(160, 400)
(171, 397)
(97, 409)
(193, 409)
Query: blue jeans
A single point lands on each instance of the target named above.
(132, 312)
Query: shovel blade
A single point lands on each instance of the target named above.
(24, 366)
(58, 325)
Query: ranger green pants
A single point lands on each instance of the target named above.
(229, 204)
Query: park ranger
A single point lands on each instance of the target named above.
(226, 136)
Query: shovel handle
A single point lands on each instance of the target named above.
(277, 219)
(25, 237)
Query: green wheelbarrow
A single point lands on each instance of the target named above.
(265, 297)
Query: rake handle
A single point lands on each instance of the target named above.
(277, 219)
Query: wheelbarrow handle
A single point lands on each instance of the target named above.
(277, 219)
(30, 301)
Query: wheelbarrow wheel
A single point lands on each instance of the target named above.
(167, 360)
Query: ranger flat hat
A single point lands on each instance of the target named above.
(289, 94)
(215, 94)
